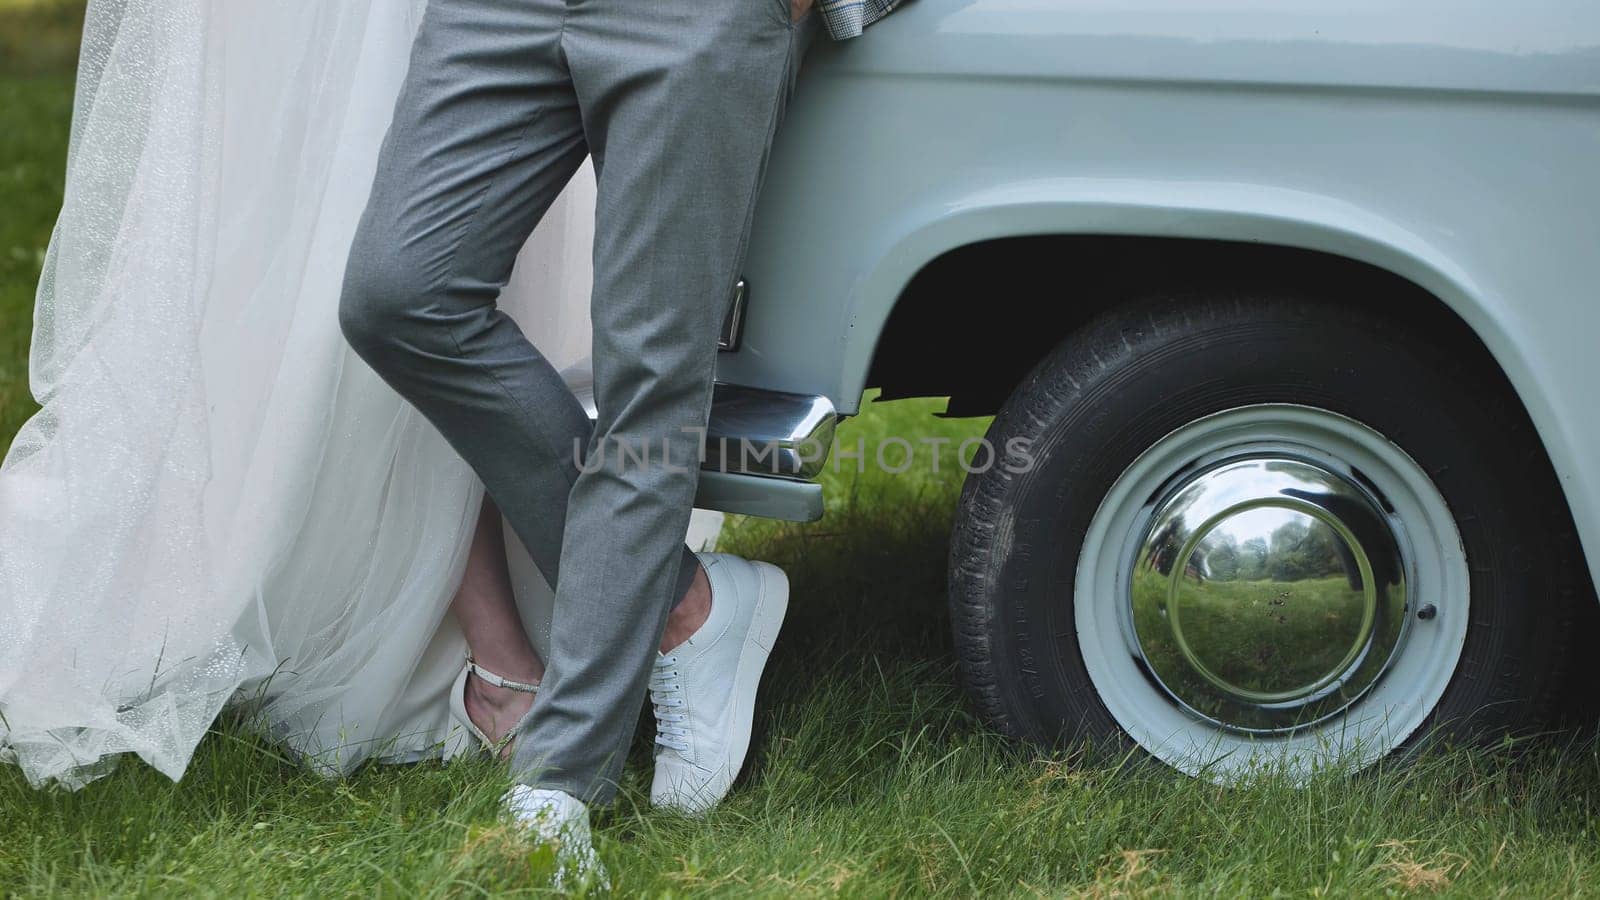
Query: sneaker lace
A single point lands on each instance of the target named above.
(666, 696)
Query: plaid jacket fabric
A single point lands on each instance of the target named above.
(846, 18)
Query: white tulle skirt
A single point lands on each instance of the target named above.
(218, 500)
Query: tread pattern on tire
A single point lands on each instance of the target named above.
(1075, 373)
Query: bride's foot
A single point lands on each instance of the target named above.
(486, 707)
(495, 710)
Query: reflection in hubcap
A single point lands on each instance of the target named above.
(1268, 593)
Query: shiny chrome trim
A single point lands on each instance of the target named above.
(733, 320)
(768, 433)
(1268, 592)
(768, 498)
(758, 432)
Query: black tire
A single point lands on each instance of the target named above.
(1120, 384)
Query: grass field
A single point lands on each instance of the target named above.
(870, 778)
(36, 57)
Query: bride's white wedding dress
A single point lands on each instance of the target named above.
(218, 499)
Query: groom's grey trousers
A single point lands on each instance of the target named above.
(677, 101)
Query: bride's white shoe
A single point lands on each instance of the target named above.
(466, 737)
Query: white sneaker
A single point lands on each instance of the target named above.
(704, 690)
(561, 820)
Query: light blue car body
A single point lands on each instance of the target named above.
(1454, 143)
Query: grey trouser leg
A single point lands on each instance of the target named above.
(677, 102)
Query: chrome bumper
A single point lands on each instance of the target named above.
(767, 433)
(761, 449)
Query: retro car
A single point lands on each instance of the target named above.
(1291, 307)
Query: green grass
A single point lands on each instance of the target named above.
(33, 145)
(38, 48)
(869, 777)
(39, 36)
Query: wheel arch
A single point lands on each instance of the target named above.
(1121, 239)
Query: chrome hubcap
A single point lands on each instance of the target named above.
(1241, 594)
(1268, 592)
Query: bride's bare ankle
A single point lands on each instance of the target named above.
(493, 709)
